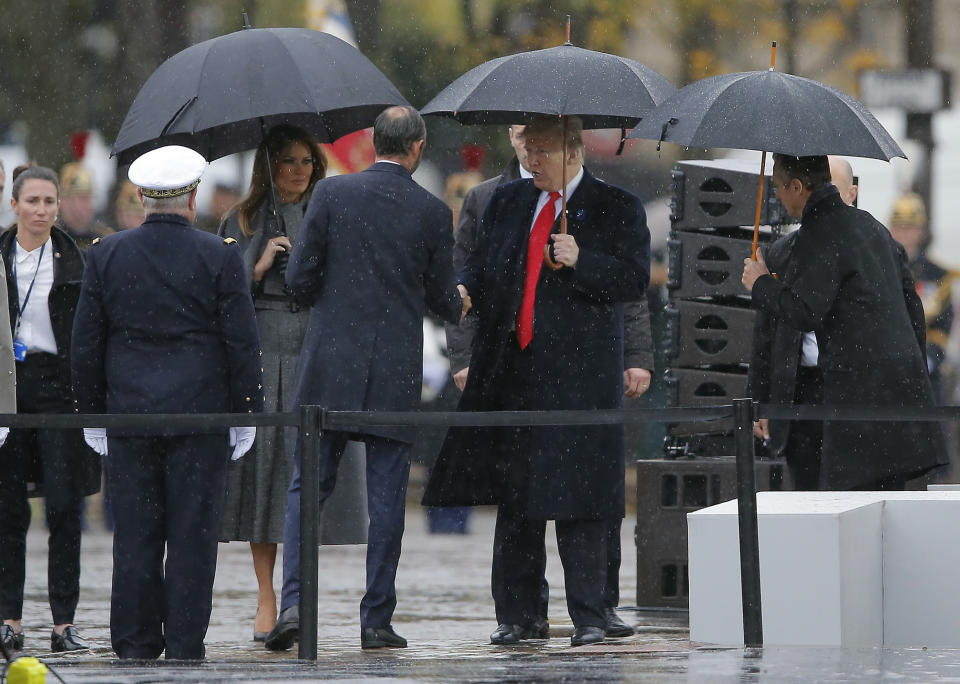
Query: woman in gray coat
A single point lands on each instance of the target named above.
(257, 485)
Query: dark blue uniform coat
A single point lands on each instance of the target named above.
(576, 355)
(374, 248)
(165, 324)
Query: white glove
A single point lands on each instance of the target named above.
(97, 439)
(3, 435)
(241, 439)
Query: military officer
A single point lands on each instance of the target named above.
(165, 324)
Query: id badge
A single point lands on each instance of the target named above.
(19, 350)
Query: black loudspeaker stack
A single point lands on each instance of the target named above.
(708, 344)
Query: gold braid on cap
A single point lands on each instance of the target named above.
(175, 192)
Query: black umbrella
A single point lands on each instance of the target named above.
(605, 91)
(769, 111)
(220, 96)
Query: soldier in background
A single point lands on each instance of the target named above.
(908, 225)
(77, 213)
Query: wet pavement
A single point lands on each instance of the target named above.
(446, 613)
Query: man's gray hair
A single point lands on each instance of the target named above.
(396, 130)
(167, 205)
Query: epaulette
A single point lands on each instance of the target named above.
(94, 241)
(229, 241)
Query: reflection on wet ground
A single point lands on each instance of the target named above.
(446, 613)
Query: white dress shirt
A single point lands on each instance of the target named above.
(558, 203)
(36, 330)
(809, 351)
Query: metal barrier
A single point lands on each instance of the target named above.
(312, 420)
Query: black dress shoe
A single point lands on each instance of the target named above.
(381, 637)
(508, 635)
(539, 630)
(70, 640)
(615, 626)
(286, 631)
(586, 635)
(12, 641)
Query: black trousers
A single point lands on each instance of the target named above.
(611, 586)
(39, 390)
(520, 591)
(167, 495)
(520, 559)
(805, 441)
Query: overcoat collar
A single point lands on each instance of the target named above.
(390, 167)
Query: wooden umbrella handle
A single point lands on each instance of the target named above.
(551, 264)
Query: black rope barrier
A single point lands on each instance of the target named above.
(342, 420)
(153, 421)
(311, 420)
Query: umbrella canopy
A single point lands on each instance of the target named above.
(219, 96)
(769, 111)
(605, 90)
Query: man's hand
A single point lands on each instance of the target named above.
(4, 432)
(467, 302)
(96, 438)
(565, 249)
(753, 270)
(241, 439)
(761, 429)
(636, 381)
(460, 378)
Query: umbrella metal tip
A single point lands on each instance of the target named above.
(246, 21)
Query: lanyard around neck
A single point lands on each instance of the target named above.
(26, 299)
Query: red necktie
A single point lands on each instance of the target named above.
(538, 238)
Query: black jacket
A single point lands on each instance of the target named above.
(847, 280)
(574, 362)
(638, 339)
(83, 462)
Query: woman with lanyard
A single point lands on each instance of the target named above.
(44, 268)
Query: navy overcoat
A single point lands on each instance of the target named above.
(373, 252)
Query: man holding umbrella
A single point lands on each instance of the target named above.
(637, 361)
(847, 281)
(547, 339)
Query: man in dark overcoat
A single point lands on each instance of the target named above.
(847, 280)
(637, 361)
(784, 366)
(165, 324)
(373, 253)
(547, 339)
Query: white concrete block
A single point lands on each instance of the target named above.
(921, 566)
(836, 568)
(820, 570)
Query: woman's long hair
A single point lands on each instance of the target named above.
(276, 141)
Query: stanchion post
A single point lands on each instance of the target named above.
(310, 421)
(749, 536)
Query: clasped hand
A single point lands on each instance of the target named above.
(565, 249)
(753, 270)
